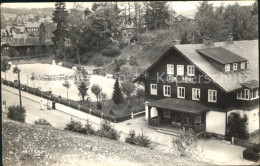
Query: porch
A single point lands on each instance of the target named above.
(177, 114)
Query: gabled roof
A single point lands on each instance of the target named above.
(31, 41)
(221, 55)
(247, 49)
(33, 25)
(179, 105)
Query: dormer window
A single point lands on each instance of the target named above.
(234, 66)
(243, 65)
(243, 94)
(227, 67)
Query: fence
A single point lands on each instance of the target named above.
(67, 102)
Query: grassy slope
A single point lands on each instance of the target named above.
(25, 144)
(153, 45)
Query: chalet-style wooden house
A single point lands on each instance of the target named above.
(198, 85)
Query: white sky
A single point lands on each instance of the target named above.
(178, 6)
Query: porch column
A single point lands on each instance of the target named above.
(182, 121)
(158, 118)
(149, 114)
(194, 122)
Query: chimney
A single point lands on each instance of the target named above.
(176, 42)
(208, 42)
(230, 39)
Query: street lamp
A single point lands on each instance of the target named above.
(17, 70)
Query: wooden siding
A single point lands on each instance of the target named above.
(225, 101)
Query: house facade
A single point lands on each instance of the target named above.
(197, 86)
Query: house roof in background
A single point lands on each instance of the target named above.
(32, 25)
(221, 55)
(31, 41)
(179, 105)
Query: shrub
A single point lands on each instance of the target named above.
(256, 148)
(249, 154)
(107, 130)
(99, 105)
(17, 114)
(133, 61)
(237, 125)
(74, 126)
(140, 140)
(98, 60)
(89, 130)
(111, 51)
(186, 143)
(42, 122)
(131, 138)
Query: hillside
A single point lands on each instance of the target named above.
(151, 46)
(25, 144)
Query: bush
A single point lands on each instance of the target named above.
(74, 126)
(98, 60)
(118, 63)
(131, 138)
(237, 125)
(42, 122)
(249, 154)
(133, 61)
(89, 130)
(186, 143)
(17, 114)
(140, 140)
(108, 131)
(111, 51)
(256, 148)
(99, 105)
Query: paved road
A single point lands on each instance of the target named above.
(214, 150)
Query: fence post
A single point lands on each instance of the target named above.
(132, 115)
(69, 103)
(79, 107)
(90, 111)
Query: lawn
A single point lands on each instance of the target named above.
(24, 144)
(118, 110)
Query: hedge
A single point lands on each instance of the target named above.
(70, 103)
(249, 154)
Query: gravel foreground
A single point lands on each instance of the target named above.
(24, 144)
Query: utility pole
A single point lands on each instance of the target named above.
(20, 96)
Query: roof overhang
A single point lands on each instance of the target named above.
(251, 84)
(180, 105)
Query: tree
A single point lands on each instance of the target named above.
(67, 85)
(128, 88)
(83, 88)
(140, 93)
(237, 125)
(17, 71)
(33, 78)
(96, 89)
(117, 94)
(42, 35)
(103, 98)
(156, 15)
(60, 15)
(5, 66)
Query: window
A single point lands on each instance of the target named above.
(198, 118)
(195, 94)
(234, 66)
(167, 113)
(181, 92)
(254, 94)
(243, 94)
(153, 89)
(212, 96)
(180, 70)
(227, 67)
(170, 69)
(243, 65)
(167, 90)
(190, 70)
